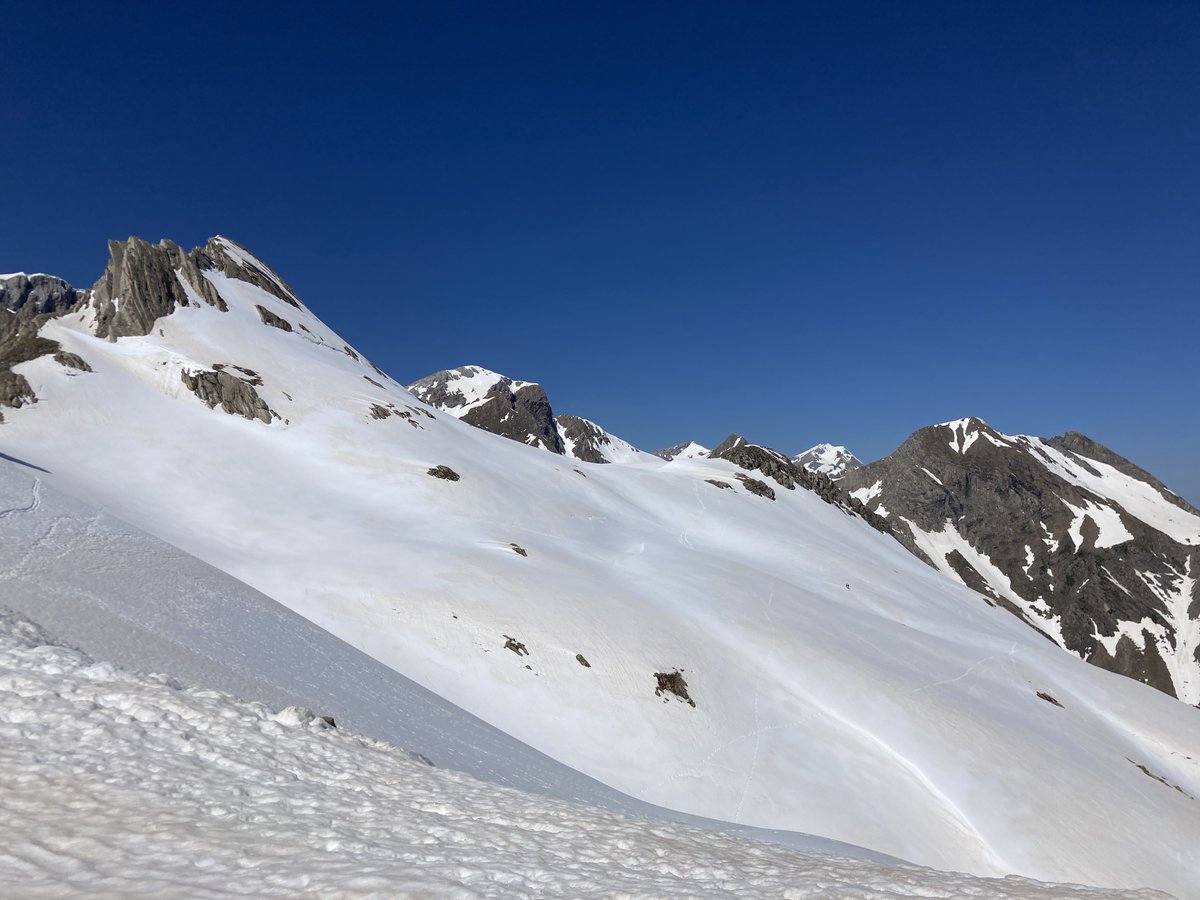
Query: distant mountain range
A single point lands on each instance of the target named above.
(1074, 540)
(886, 655)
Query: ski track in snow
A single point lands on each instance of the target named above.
(34, 503)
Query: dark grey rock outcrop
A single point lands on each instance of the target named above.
(1073, 563)
(234, 395)
(44, 293)
(587, 440)
(516, 410)
(269, 318)
(140, 285)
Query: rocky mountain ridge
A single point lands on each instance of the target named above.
(1075, 540)
(520, 411)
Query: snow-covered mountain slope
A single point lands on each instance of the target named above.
(1077, 541)
(123, 785)
(688, 450)
(829, 460)
(121, 595)
(671, 631)
(521, 411)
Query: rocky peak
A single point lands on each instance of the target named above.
(41, 294)
(587, 441)
(1072, 538)
(142, 281)
(517, 410)
(140, 285)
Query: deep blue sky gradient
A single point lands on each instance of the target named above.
(837, 221)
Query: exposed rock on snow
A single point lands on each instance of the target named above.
(673, 683)
(144, 282)
(269, 318)
(234, 395)
(517, 410)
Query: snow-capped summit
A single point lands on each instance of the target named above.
(686, 450)
(828, 459)
(723, 635)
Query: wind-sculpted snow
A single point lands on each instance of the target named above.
(118, 785)
(841, 686)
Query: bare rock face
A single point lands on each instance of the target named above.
(517, 410)
(269, 318)
(234, 395)
(140, 285)
(44, 293)
(1075, 540)
(587, 439)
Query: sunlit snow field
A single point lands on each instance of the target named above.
(121, 785)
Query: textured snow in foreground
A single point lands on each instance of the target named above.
(123, 785)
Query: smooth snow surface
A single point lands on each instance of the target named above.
(117, 785)
(124, 596)
(841, 686)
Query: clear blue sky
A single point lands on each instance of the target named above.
(837, 221)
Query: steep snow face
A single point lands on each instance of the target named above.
(829, 460)
(666, 630)
(143, 787)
